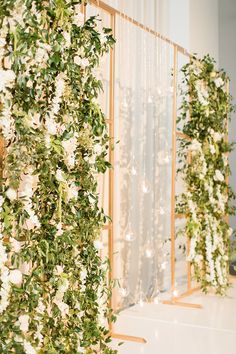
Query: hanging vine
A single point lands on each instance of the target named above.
(53, 287)
(207, 198)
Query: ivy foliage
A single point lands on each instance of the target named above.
(205, 114)
(54, 293)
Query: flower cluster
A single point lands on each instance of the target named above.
(205, 172)
(53, 288)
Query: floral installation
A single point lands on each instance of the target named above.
(53, 284)
(205, 111)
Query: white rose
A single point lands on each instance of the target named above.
(195, 145)
(58, 270)
(15, 277)
(63, 307)
(11, 194)
(16, 245)
(97, 149)
(218, 176)
(28, 348)
(51, 126)
(24, 323)
(81, 62)
(41, 307)
(83, 275)
(26, 268)
(1, 200)
(212, 149)
(59, 175)
(72, 191)
(219, 82)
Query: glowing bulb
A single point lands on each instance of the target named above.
(149, 251)
(145, 187)
(141, 303)
(175, 293)
(129, 236)
(162, 211)
(125, 103)
(124, 292)
(134, 171)
(156, 300)
(167, 159)
(150, 99)
(163, 265)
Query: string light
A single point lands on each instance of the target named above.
(129, 235)
(175, 293)
(124, 292)
(145, 187)
(149, 250)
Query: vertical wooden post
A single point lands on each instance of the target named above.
(173, 172)
(111, 160)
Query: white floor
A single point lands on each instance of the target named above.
(177, 330)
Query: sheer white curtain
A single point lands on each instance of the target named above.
(142, 170)
(143, 121)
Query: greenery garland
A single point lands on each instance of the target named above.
(53, 283)
(207, 198)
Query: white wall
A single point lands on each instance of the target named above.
(203, 27)
(227, 46)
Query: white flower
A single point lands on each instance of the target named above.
(219, 82)
(28, 348)
(63, 307)
(2, 42)
(24, 323)
(59, 175)
(41, 308)
(35, 120)
(81, 62)
(67, 37)
(70, 145)
(218, 176)
(71, 191)
(7, 123)
(83, 275)
(7, 78)
(64, 286)
(98, 244)
(195, 145)
(58, 270)
(25, 268)
(103, 38)
(15, 277)
(59, 229)
(225, 160)
(98, 149)
(16, 245)
(11, 194)
(215, 135)
(51, 126)
(212, 149)
(1, 200)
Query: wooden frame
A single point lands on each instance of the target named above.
(175, 300)
(177, 49)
